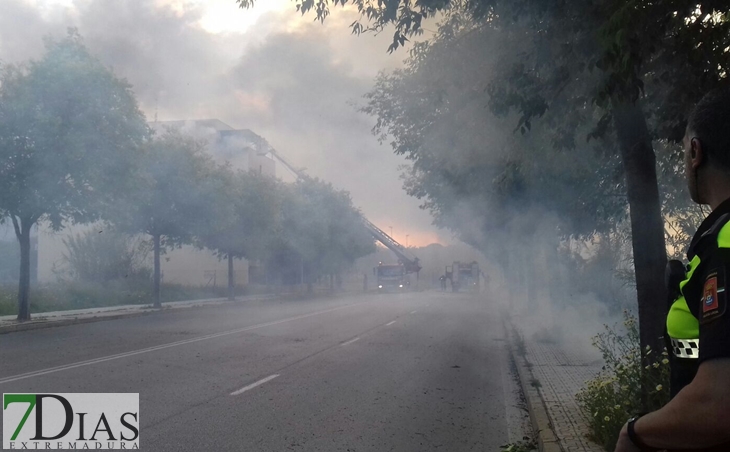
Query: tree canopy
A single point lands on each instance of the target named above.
(319, 231)
(70, 133)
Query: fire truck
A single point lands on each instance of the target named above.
(391, 277)
(463, 276)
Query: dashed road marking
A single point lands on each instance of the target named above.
(350, 341)
(388, 324)
(413, 312)
(253, 385)
(102, 359)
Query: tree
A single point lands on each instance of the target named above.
(245, 209)
(466, 162)
(70, 132)
(513, 196)
(320, 232)
(168, 202)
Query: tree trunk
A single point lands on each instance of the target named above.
(157, 303)
(22, 232)
(555, 278)
(647, 225)
(231, 283)
(301, 270)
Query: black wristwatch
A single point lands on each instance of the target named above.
(635, 439)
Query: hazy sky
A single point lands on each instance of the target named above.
(268, 69)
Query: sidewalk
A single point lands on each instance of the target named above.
(550, 379)
(9, 324)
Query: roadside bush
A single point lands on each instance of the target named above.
(526, 445)
(67, 295)
(613, 396)
(102, 257)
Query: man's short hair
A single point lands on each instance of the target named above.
(710, 122)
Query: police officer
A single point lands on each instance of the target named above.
(698, 416)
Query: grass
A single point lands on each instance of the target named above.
(520, 346)
(64, 296)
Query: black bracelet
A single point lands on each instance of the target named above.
(635, 439)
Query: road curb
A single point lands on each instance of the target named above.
(42, 324)
(139, 312)
(547, 441)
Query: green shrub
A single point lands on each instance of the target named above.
(611, 398)
(100, 257)
(67, 295)
(526, 445)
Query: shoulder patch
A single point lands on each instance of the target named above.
(713, 302)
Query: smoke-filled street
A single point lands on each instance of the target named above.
(406, 372)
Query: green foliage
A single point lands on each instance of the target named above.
(526, 445)
(244, 212)
(169, 199)
(9, 258)
(70, 132)
(611, 398)
(681, 214)
(105, 256)
(601, 266)
(472, 172)
(319, 229)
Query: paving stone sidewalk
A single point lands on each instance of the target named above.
(561, 374)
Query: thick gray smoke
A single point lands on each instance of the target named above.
(293, 83)
(287, 79)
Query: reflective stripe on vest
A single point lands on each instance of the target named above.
(686, 348)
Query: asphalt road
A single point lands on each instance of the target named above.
(401, 372)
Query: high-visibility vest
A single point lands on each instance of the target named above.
(681, 324)
(683, 327)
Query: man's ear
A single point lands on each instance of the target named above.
(696, 153)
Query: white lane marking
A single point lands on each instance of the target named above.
(388, 324)
(253, 385)
(350, 341)
(413, 312)
(102, 359)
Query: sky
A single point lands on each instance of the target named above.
(293, 81)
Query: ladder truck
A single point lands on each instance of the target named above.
(406, 259)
